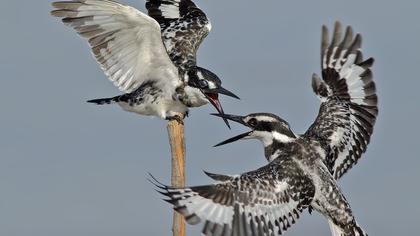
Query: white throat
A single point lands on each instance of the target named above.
(195, 96)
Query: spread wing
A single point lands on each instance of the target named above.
(263, 202)
(349, 102)
(184, 27)
(126, 43)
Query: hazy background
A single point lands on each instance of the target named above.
(68, 168)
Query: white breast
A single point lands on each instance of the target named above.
(195, 97)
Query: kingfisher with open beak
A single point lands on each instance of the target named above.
(151, 58)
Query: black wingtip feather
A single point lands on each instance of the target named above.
(367, 63)
(156, 182)
(170, 201)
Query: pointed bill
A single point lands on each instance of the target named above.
(233, 139)
(226, 92)
(235, 118)
(238, 119)
(221, 90)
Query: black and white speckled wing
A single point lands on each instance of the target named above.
(349, 102)
(263, 202)
(126, 42)
(184, 26)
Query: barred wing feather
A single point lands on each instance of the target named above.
(125, 42)
(184, 27)
(254, 203)
(349, 102)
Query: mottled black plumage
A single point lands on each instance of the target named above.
(266, 201)
(152, 59)
(302, 169)
(349, 102)
(184, 26)
(241, 200)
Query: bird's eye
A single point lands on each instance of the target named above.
(203, 83)
(252, 122)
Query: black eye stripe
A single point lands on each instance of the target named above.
(252, 122)
(274, 126)
(264, 126)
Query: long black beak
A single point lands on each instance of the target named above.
(224, 91)
(238, 119)
(233, 139)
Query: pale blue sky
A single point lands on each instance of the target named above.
(69, 168)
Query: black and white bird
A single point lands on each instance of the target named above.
(302, 169)
(152, 59)
(348, 111)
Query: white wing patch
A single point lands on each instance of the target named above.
(126, 43)
(238, 207)
(206, 209)
(170, 11)
(281, 187)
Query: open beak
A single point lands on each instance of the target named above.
(226, 92)
(213, 96)
(214, 100)
(233, 139)
(238, 119)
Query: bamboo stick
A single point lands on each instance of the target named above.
(177, 143)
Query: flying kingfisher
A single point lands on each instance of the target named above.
(152, 59)
(302, 169)
(348, 111)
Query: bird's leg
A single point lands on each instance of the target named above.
(178, 118)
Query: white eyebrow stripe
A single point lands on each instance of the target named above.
(267, 119)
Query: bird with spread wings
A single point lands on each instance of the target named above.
(152, 59)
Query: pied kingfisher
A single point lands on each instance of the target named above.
(152, 59)
(302, 169)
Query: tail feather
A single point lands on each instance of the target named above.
(102, 101)
(358, 231)
(355, 230)
(335, 230)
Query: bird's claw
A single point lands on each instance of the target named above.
(178, 118)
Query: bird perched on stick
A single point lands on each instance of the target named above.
(152, 59)
(302, 169)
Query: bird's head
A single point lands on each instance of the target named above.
(265, 127)
(210, 86)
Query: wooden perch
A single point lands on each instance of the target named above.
(177, 143)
